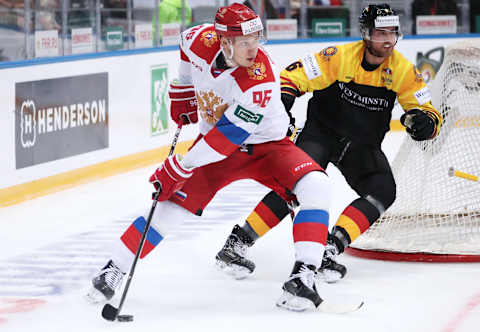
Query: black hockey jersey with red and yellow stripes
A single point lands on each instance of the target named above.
(352, 101)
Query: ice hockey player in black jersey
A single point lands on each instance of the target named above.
(354, 89)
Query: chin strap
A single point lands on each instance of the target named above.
(229, 59)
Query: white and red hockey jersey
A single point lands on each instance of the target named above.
(239, 106)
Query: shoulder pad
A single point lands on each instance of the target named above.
(189, 34)
(202, 41)
(260, 72)
(399, 59)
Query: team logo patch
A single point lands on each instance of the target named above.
(427, 75)
(387, 78)
(181, 195)
(209, 38)
(248, 116)
(211, 106)
(418, 75)
(329, 51)
(387, 71)
(257, 71)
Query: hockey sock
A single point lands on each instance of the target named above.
(250, 232)
(266, 215)
(356, 219)
(133, 234)
(310, 230)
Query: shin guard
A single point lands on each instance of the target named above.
(131, 237)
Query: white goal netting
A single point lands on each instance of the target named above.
(433, 212)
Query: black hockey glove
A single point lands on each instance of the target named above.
(419, 125)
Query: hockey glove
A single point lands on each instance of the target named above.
(419, 125)
(170, 177)
(183, 108)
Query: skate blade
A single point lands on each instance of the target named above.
(328, 276)
(237, 272)
(94, 296)
(294, 303)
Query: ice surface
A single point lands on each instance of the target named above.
(52, 245)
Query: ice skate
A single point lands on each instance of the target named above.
(105, 283)
(330, 271)
(232, 257)
(299, 291)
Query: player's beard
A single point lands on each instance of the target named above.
(379, 50)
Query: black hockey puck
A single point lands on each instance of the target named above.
(125, 318)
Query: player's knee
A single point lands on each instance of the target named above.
(168, 217)
(389, 195)
(314, 190)
(382, 198)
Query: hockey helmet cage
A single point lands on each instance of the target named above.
(237, 20)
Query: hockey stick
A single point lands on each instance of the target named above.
(291, 205)
(291, 209)
(109, 312)
(453, 172)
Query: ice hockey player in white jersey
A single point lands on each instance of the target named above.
(227, 77)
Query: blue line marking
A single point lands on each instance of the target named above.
(86, 56)
(99, 55)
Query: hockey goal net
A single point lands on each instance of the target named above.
(436, 216)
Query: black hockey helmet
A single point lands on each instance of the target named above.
(378, 17)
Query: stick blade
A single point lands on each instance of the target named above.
(109, 312)
(339, 308)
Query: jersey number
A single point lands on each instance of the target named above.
(262, 97)
(293, 66)
(192, 32)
